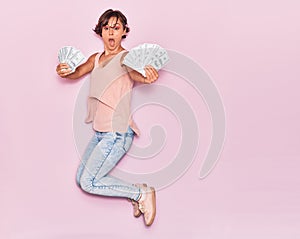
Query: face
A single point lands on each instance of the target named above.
(112, 34)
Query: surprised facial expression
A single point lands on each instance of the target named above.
(112, 33)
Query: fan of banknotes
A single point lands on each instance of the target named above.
(146, 54)
(71, 56)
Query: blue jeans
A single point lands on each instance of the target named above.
(101, 155)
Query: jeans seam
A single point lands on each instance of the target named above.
(115, 139)
(99, 167)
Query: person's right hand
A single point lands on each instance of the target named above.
(63, 70)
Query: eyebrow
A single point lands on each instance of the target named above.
(115, 24)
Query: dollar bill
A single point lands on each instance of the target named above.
(146, 54)
(72, 56)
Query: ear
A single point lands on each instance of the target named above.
(124, 34)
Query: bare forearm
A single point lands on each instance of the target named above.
(75, 75)
(136, 76)
(63, 69)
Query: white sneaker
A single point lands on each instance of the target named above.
(147, 204)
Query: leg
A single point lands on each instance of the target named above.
(88, 151)
(102, 160)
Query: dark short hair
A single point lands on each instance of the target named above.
(104, 18)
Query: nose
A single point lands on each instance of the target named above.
(111, 31)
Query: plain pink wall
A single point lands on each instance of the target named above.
(250, 49)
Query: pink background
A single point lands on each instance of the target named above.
(251, 50)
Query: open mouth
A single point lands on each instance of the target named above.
(111, 42)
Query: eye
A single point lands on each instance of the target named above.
(105, 28)
(117, 28)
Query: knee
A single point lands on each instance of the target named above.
(86, 184)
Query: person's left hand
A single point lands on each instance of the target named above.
(151, 74)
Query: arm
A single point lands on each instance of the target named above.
(151, 75)
(63, 69)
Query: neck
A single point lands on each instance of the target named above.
(114, 51)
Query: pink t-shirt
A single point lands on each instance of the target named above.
(110, 96)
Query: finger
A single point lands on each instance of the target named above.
(62, 66)
(64, 72)
(150, 75)
(148, 81)
(153, 72)
(65, 69)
